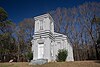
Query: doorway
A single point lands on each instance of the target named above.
(40, 51)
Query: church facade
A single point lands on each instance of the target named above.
(46, 42)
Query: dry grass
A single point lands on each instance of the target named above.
(54, 64)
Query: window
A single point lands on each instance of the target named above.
(41, 24)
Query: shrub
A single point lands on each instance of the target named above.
(62, 55)
(29, 56)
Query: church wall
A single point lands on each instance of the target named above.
(47, 49)
(35, 48)
(63, 44)
(57, 45)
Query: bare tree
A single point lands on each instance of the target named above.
(76, 23)
(24, 32)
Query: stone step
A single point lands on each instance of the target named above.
(38, 62)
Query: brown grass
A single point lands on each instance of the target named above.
(54, 64)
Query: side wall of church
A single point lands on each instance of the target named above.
(70, 51)
(63, 44)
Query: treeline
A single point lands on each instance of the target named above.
(15, 40)
(81, 24)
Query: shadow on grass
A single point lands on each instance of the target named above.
(97, 61)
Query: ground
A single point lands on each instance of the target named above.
(54, 64)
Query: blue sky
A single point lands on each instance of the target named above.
(20, 9)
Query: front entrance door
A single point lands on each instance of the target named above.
(40, 50)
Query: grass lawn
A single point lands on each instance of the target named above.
(54, 64)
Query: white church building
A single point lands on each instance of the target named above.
(46, 42)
